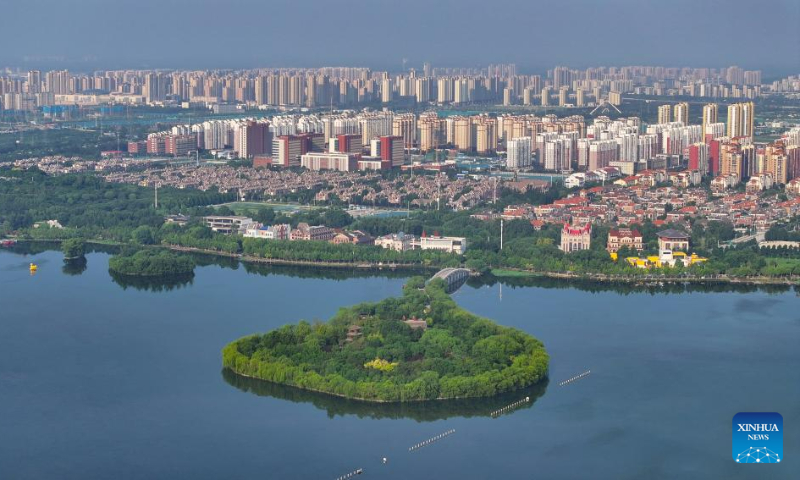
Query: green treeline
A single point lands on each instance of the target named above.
(73, 248)
(90, 208)
(100, 210)
(460, 355)
(329, 252)
(151, 263)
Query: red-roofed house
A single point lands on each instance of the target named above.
(624, 237)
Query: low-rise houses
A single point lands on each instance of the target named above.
(305, 231)
(355, 237)
(724, 182)
(445, 244)
(416, 323)
(575, 238)
(402, 242)
(399, 242)
(624, 237)
(228, 223)
(272, 232)
(686, 178)
(759, 182)
(793, 187)
(671, 239)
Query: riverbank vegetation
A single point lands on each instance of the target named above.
(90, 208)
(368, 352)
(151, 263)
(73, 248)
(87, 205)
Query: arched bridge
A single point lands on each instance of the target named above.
(453, 277)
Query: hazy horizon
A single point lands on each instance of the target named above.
(201, 34)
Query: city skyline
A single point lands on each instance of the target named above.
(379, 36)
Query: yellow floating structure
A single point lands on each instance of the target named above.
(666, 258)
(33, 267)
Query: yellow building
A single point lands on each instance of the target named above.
(666, 259)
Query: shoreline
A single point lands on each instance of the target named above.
(651, 279)
(308, 263)
(374, 401)
(597, 277)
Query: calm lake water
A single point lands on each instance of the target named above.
(101, 380)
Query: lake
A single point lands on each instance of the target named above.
(100, 379)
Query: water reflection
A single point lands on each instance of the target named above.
(332, 273)
(74, 266)
(626, 288)
(153, 284)
(419, 411)
(32, 248)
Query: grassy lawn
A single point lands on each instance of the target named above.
(250, 208)
(500, 272)
(784, 262)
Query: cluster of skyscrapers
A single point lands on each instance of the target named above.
(347, 86)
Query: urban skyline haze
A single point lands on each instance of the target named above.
(94, 34)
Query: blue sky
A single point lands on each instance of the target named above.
(533, 34)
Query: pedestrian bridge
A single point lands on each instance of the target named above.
(453, 277)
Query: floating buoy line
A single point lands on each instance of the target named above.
(494, 414)
(351, 474)
(510, 407)
(575, 378)
(431, 440)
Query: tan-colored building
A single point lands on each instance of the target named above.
(776, 163)
(671, 239)
(664, 114)
(405, 125)
(305, 231)
(464, 139)
(431, 132)
(681, 112)
(486, 135)
(624, 237)
(741, 120)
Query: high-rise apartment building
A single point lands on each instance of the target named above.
(463, 133)
(710, 115)
(518, 153)
(254, 139)
(741, 120)
(485, 135)
(664, 114)
(405, 126)
(386, 90)
(431, 132)
(392, 150)
(681, 113)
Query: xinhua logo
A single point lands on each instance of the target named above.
(757, 437)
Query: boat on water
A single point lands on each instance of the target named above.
(8, 243)
(33, 267)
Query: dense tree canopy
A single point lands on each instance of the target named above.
(151, 263)
(90, 208)
(89, 203)
(73, 248)
(459, 355)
